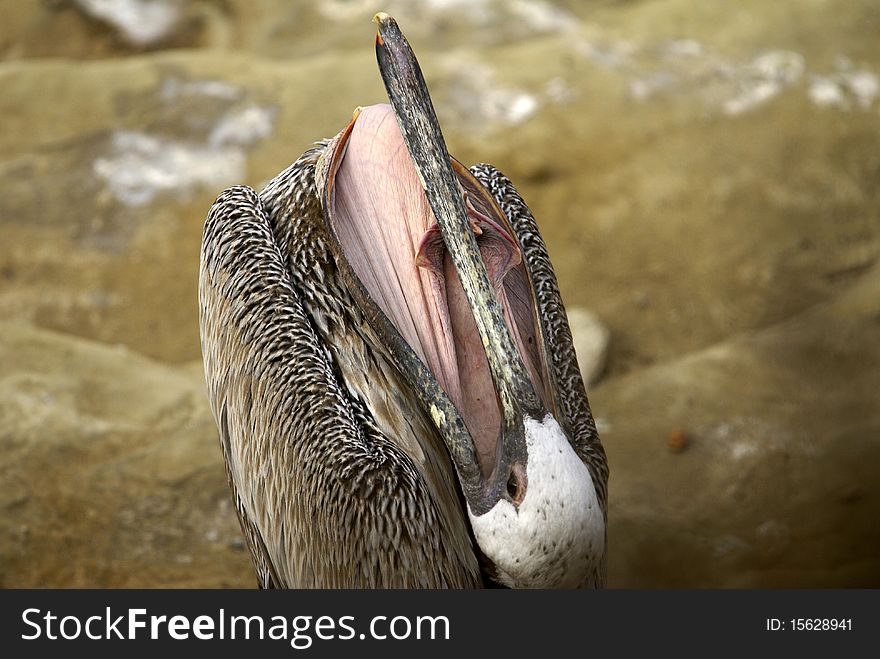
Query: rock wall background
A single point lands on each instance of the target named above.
(707, 178)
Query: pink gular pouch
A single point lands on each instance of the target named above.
(389, 236)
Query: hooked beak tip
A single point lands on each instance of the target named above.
(383, 21)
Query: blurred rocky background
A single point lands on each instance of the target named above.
(707, 178)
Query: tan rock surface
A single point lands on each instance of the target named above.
(111, 474)
(777, 485)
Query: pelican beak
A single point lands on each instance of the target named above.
(421, 133)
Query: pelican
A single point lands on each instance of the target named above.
(391, 369)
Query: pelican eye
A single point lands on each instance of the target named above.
(516, 485)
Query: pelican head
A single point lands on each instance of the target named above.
(437, 267)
